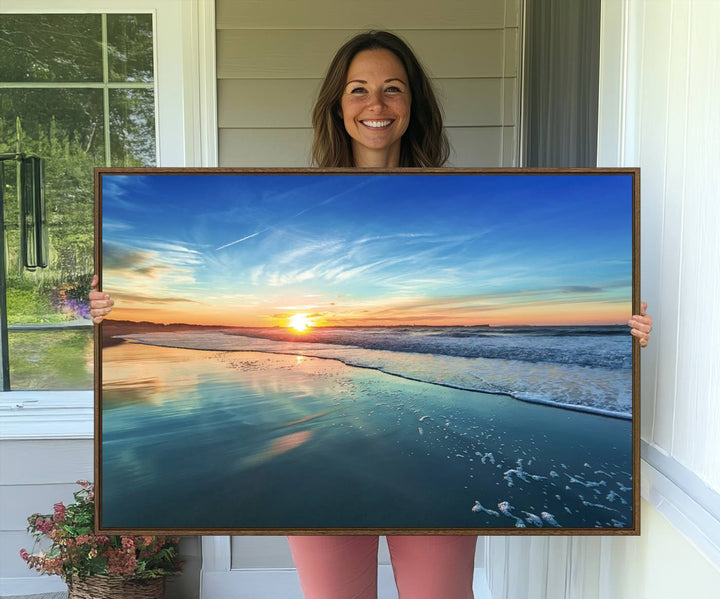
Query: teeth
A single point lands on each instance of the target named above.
(376, 123)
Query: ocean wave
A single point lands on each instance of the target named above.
(596, 346)
(599, 390)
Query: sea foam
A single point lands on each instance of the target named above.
(511, 365)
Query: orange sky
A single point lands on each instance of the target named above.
(549, 313)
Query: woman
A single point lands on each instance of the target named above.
(376, 109)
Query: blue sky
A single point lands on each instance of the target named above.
(368, 249)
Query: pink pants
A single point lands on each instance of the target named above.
(345, 567)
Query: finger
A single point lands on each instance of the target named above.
(642, 318)
(640, 326)
(100, 305)
(643, 308)
(643, 342)
(94, 281)
(641, 335)
(99, 296)
(100, 308)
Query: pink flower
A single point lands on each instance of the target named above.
(59, 509)
(24, 555)
(44, 526)
(121, 562)
(53, 565)
(128, 543)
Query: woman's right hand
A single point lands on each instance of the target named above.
(100, 303)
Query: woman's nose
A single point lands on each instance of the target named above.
(375, 99)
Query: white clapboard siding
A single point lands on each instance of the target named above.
(331, 14)
(266, 103)
(470, 146)
(306, 53)
(265, 147)
(45, 461)
(19, 501)
(34, 476)
(475, 146)
(287, 103)
(697, 409)
(271, 58)
(673, 134)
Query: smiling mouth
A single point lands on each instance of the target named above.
(377, 124)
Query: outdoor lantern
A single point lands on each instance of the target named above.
(33, 214)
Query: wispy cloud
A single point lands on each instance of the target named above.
(289, 219)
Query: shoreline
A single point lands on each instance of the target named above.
(541, 402)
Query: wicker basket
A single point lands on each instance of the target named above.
(116, 587)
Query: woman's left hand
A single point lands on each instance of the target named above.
(641, 325)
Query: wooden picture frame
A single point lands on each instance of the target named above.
(345, 351)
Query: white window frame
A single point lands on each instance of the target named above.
(186, 130)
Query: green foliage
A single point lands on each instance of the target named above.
(76, 552)
(70, 220)
(27, 305)
(52, 359)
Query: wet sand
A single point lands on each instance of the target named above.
(257, 440)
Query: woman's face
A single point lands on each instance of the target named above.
(375, 107)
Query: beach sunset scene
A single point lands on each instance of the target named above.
(293, 351)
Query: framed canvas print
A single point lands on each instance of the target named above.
(414, 351)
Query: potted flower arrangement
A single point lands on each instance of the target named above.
(98, 566)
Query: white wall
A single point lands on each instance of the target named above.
(34, 475)
(661, 563)
(271, 58)
(659, 90)
(672, 131)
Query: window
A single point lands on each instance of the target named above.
(77, 90)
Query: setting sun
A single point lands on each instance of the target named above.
(300, 322)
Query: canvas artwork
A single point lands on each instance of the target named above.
(352, 352)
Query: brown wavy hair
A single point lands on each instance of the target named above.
(424, 144)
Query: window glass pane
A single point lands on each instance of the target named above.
(54, 360)
(51, 335)
(132, 127)
(65, 127)
(130, 47)
(37, 48)
(54, 121)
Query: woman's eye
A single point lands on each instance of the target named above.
(357, 90)
(393, 89)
